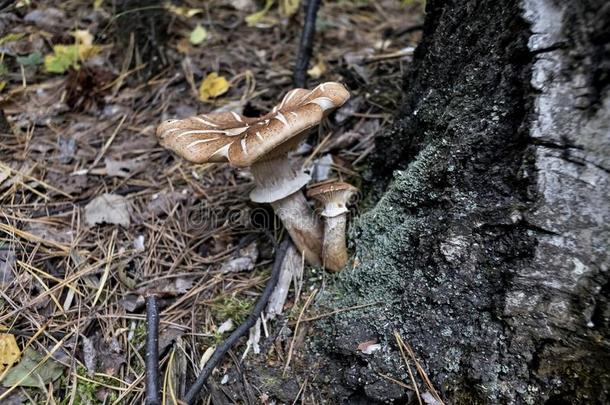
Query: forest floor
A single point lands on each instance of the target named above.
(95, 214)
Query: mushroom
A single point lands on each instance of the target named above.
(334, 197)
(263, 144)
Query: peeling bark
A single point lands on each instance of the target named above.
(488, 250)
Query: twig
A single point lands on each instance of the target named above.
(401, 346)
(423, 374)
(296, 328)
(193, 393)
(305, 46)
(152, 350)
(337, 311)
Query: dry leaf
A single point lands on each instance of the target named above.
(429, 399)
(184, 46)
(243, 5)
(213, 86)
(257, 17)
(123, 168)
(89, 355)
(138, 243)
(317, 70)
(57, 234)
(288, 8)
(246, 261)
(102, 355)
(11, 37)
(164, 203)
(46, 18)
(65, 56)
(109, 209)
(226, 326)
(83, 37)
(369, 346)
(168, 336)
(30, 373)
(7, 267)
(206, 356)
(182, 11)
(9, 351)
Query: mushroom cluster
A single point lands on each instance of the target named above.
(334, 197)
(263, 144)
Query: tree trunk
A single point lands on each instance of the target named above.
(488, 250)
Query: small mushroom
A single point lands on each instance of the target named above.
(334, 197)
(263, 144)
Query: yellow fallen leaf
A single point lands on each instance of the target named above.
(97, 4)
(11, 38)
(2, 85)
(61, 59)
(182, 11)
(198, 35)
(9, 351)
(213, 86)
(288, 8)
(317, 70)
(255, 18)
(83, 37)
(64, 56)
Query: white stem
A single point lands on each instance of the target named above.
(302, 224)
(278, 183)
(334, 251)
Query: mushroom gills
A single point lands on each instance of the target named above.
(275, 179)
(279, 183)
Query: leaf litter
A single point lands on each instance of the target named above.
(94, 213)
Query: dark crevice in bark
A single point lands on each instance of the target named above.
(468, 245)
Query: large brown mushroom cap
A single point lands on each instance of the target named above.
(334, 195)
(241, 141)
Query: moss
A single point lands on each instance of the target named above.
(139, 335)
(382, 234)
(235, 308)
(87, 392)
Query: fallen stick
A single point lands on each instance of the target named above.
(152, 350)
(221, 350)
(306, 44)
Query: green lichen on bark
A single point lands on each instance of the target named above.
(387, 229)
(469, 252)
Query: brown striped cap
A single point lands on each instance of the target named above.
(334, 195)
(241, 141)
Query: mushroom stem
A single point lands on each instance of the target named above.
(334, 250)
(279, 184)
(302, 224)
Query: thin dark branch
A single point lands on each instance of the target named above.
(152, 350)
(306, 44)
(193, 393)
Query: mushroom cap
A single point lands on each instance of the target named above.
(334, 195)
(242, 141)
